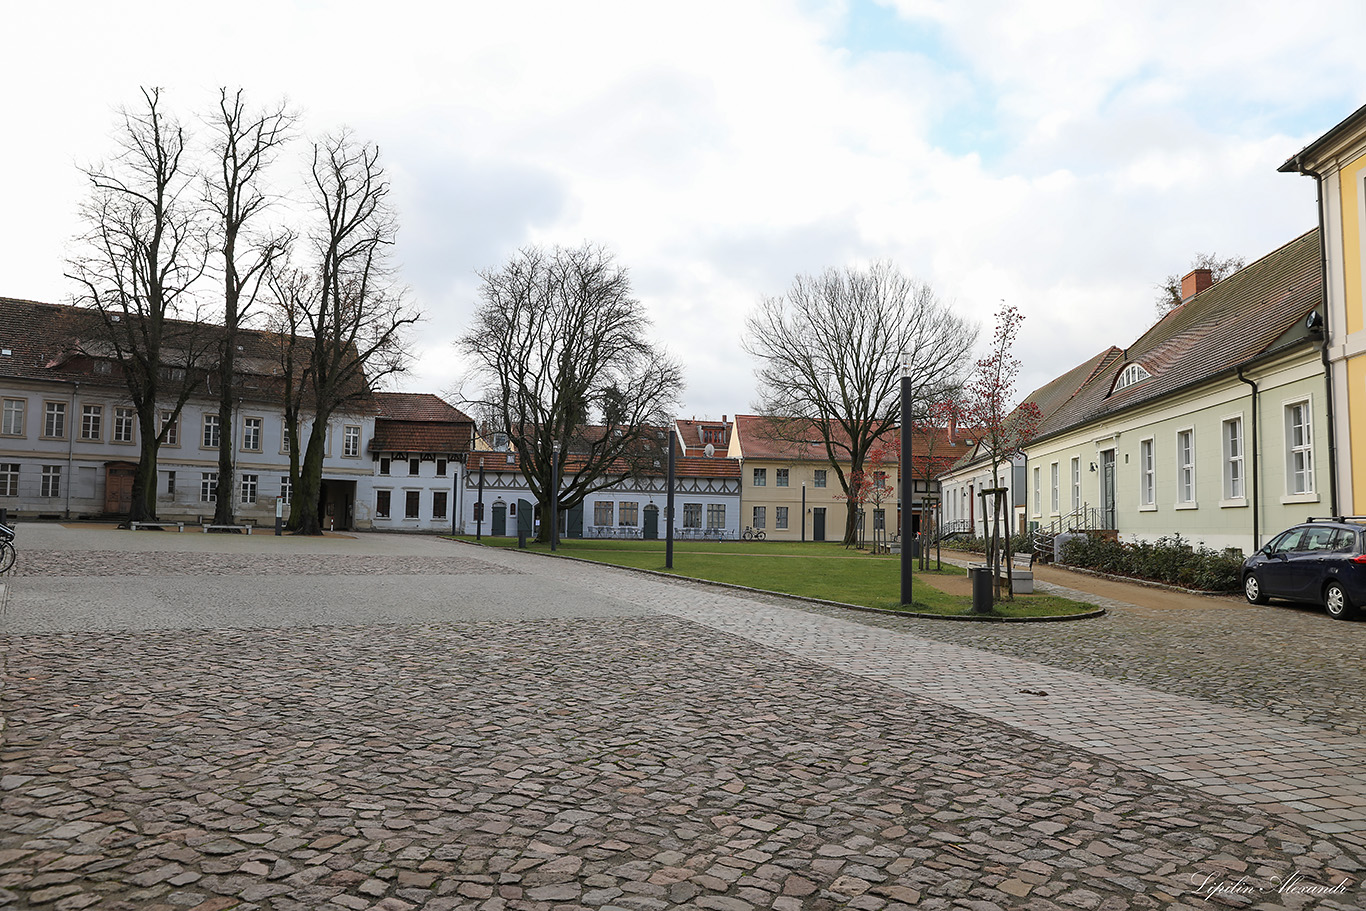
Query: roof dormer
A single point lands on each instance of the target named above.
(1130, 375)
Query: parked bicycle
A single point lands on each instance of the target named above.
(753, 534)
(7, 554)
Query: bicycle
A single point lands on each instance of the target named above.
(7, 553)
(752, 534)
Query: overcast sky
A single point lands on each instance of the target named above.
(1062, 156)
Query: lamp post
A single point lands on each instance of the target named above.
(906, 522)
(669, 504)
(803, 512)
(479, 504)
(554, 493)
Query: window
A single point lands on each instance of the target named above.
(879, 519)
(170, 483)
(286, 489)
(9, 479)
(414, 467)
(820, 477)
(603, 512)
(439, 504)
(692, 515)
(251, 434)
(52, 481)
(382, 504)
(1076, 483)
(92, 417)
(713, 435)
(780, 478)
(125, 419)
(1299, 439)
(1147, 481)
(13, 425)
(351, 441)
(1053, 487)
(1185, 466)
(1134, 373)
(412, 504)
(247, 489)
(208, 487)
(780, 517)
(383, 466)
(1038, 491)
(880, 480)
(760, 477)
(286, 438)
(629, 514)
(760, 516)
(209, 438)
(440, 468)
(54, 420)
(1233, 459)
(172, 436)
(716, 515)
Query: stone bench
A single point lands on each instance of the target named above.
(243, 528)
(159, 526)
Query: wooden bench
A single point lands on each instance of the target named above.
(208, 528)
(159, 526)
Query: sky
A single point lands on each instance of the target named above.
(1062, 156)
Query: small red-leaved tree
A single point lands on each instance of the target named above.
(936, 454)
(1003, 430)
(860, 485)
(877, 489)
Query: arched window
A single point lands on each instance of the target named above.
(1133, 373)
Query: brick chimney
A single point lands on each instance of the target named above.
(1196, 280)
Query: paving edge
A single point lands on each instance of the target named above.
(1098, 612)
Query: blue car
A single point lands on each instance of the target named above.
(1320, 562)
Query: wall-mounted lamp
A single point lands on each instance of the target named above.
(1093, 466)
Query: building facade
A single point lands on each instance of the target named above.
(417, 450)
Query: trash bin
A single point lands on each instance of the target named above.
(981, 589)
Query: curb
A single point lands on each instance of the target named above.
(1098, 612)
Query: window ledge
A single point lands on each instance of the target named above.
(1187, 506)
(1300, 498)
(1152, 507)
(1234, 503)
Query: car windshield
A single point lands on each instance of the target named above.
(1287, 542)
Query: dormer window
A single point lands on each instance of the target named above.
(1133, 373)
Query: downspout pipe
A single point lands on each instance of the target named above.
(1256, 448)
(1327, 334)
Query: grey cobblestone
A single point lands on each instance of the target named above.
(576, 762)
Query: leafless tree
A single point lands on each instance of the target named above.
(559, 341)
(245, 142)
(830, 359)
(1169, 289)
(350, 307)
(143, 249)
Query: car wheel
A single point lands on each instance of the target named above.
(1252, 588)
(1336, 603)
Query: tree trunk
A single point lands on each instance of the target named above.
(223, 509)
(143, 507)
(310, 481)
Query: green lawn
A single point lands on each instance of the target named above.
(827, 571)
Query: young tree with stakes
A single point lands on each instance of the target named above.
(1002, 430)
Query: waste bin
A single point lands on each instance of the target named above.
(981, 589)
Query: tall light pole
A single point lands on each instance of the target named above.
(669, 504)
(554, 492)
(907, 524)
(803, 512)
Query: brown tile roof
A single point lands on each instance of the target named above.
(931, 447)
(417, 406)
(1255, 311)
(684, 467)
(421, 436)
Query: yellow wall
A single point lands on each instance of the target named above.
(1350, 183)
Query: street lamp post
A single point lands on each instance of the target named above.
(803, 512)
(907, 523)
(554, 493)
(669, 504)
(479, 504)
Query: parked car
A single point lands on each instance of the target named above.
(1320, 562)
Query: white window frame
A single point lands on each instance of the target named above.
(54, 420)
(1147, 474)
(247, 488)
(209, 422)
(208, 486)
(1234, 451)
(253, 431)
(351, 441)
(51, 484)
(286, 489)
(92, 423)
(15, 416)
(125, 425)
(173, 436)
(1304, 450)
(1185, 469)
(1038, 491)
(1053, 493)
(9, 479)
(1076, 483)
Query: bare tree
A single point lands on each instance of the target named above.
(142, 250)
(1169, 289)
(830, 358)
(559, 340)
(351, 307)
(245, 143)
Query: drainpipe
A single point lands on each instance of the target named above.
(71, 426)
(1256, 463)
(1323, 351)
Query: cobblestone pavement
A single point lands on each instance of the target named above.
(648, 759)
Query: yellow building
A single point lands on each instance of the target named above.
(1337, 161)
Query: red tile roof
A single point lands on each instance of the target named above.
(417, 406)
(933, 448)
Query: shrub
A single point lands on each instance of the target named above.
(1169, 559)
